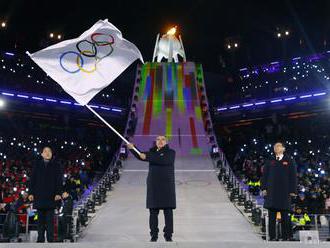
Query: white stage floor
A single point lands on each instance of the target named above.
(204, 212)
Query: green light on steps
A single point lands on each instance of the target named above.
(168, 130)
(198, 112)
(180, 89)
(196, 151)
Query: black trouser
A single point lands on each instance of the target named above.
(65, 227)
(45, 223)
(153, 222)
(285, 223)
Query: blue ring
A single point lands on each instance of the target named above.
(78, 54)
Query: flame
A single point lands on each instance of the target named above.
(172, 31)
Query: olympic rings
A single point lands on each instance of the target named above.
(79, 62)
(102, 43)
(78, 56)
(92, 53)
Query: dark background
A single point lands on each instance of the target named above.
(205, 26)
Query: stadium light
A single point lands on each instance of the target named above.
(282, 33)
(271, 101)
(9, 54)
(3, 24)
(53, 35)
(232, 43)
(28, 97)
(230, 46)
(2, 103)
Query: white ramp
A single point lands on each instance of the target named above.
(204, 212)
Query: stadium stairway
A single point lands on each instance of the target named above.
(169, 104)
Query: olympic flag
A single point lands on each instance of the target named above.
(86, 65)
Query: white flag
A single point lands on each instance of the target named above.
(86, 65)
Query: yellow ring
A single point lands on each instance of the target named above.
(79, 62)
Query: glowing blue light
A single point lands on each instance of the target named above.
(7, 94)
(116, 110)
(37, 98)
(234, 107)
(320, 94)
(105, 108)
(290, 98)
(305, 96)
(51, 100)
(22, 96)
(260, 103)
(277, 100)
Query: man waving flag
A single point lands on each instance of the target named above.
(86, 65)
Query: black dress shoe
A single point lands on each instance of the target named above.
(153, 239)
(168, 239)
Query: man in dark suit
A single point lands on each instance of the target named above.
(279, 184)
(160, 185)
(45, 189)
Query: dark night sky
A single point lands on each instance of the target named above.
(204, 25)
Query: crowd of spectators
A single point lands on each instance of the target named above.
(300, 75)
(306, 140)
(82, 158)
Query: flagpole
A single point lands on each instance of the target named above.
(114, 130)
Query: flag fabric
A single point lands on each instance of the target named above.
(86, 65)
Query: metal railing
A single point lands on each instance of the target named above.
(319, 224)
(238, 191)
(96, 195)
(236, 182)
(16, 227)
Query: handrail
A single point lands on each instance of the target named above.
(223, 158)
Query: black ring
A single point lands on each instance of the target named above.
(86, 54)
